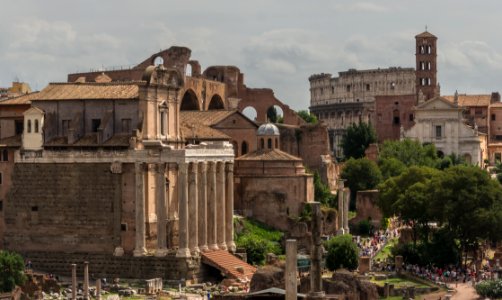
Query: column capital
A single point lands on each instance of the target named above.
(211, 166)
(229, 166)
(139, 166)
(203, 166)
(193, 167)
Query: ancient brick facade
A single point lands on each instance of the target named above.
(392, 113)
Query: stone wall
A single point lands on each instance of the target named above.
(63, 207)
(367, 209)
(109, 266)
(392, 112)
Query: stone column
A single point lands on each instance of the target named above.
(73, 281)
(220, 206)
(140, 249)
(291, 270)
(202, 199)
(98, 289)
(193, 208)
(183, 250)
(160, 195)
(316, 291)
(340, 207)
(229, 206)
(211, 206)
(346, 204)
(86, 280)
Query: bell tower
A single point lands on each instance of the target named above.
(426, 68)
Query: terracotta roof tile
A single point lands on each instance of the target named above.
(228, 264)
(20, 100)
(88, 91)
(471, 100)
(197, 124)
(275, 155)
(11, 141)
(210, 117)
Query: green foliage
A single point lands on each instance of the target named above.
(306, 214)
(258, 240)
(356, 140)
(361, 174)
(322, 192)
(11, 271)
(342, 253)
(308, 117)
(272, 114)
(409, 152)
(391, 167)
(490, 289)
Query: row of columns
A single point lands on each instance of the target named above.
(206, 204)
(85, 283)
(205, 208)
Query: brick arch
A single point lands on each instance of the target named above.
(216, 102)
(189, 101)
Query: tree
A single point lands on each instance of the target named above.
(409, 152)
(342, 253)
(360, 174)
(308, 117)
(391, 167)
(409, 197)
(272, 114)
(356, 140)
(469, 203)
(322, 192)
(11, 271)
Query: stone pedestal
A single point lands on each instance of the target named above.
(364, 264)
(73, 281)
(291, 270)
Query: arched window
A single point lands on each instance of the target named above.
(244, 148)
(396, 120)
(5, 155)
(276, 143)
(29, 126)
(269, 143)
(262, 143)
(36, 125)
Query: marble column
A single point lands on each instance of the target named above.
(316, 291)
(193, 208)
(160, 205)
(211, 206)
(340, 207)
(140, 249)
(220, 205)
(73, 281)
(86, 280)
(346, 204)
(202, 199)
(183, 250)
(291, 270)
(229, 207)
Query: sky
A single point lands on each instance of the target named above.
(277, 44)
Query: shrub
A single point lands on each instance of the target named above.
(11, 271)
(342, 253)
(490, 288)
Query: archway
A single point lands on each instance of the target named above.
(189, 101)
(468, 158)
(250, 113)
(188, 70)
(157, 61)
(216, 103)
(275, 114)
(244, 148)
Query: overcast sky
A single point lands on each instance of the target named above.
(275, 43)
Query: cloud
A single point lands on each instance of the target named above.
(361, 7)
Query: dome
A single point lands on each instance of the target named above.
(268, 129)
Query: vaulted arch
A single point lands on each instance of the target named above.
(189, 101)
(216, 103)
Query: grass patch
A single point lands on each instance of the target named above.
(352, 214)
(386, 251)
(399, 282)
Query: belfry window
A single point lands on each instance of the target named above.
(28, 126)
(36, 125)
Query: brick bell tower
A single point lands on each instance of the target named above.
(426, 69)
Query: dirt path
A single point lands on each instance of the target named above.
(465, 291)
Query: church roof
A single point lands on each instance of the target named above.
(425, 34)
(269, 154)
(88, 91)
(268, 129)
(11, 141)
(197, 124)
(210, 117)
(471, 100)
(427, 104)
(19, 100)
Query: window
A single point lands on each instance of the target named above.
(429, 49)
(276, 143)
(1, 205)
(438, 132)
(65, 127)
(428, 65)
(332, 90)
(34, 208)
(123, 227)
(493, 117)
(498, 157)
(348, 87)
(1, 178)
(36, 125)
(19, 126)
(126, 125)
(244, 148)
(28, 126)
(269, 143)
(392, 85)
(95, 123)
(411, 118)
(5, 155)
(367, 86)
(395, 117)
(262, 143)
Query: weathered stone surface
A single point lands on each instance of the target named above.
(267, 277)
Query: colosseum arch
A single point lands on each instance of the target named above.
(216, 103)
(189, 101)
